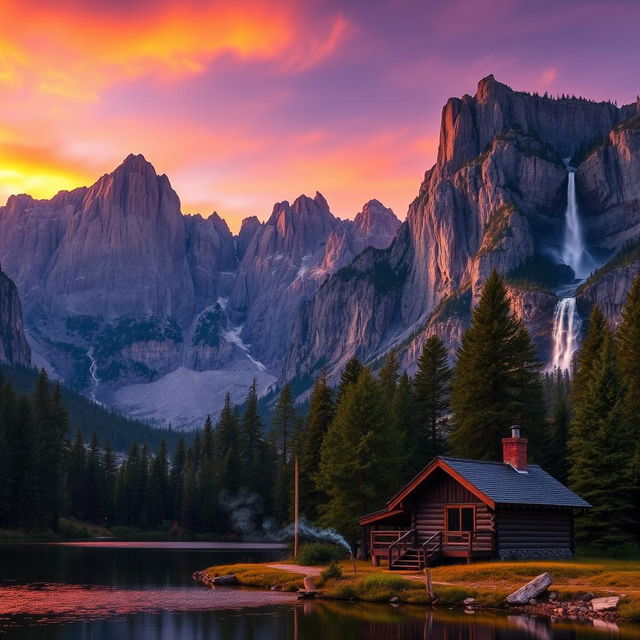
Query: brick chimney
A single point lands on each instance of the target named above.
(514, 450)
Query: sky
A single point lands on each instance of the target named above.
(245, 103)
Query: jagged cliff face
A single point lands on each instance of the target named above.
(13, 343)
(114, 278)
(494, 199)
(160, 313)
(609, 183)
(287, 259)
(125, 295)
(113, 249)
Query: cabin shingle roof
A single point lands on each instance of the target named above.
(504, 485)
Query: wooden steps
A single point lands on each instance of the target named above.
(409, 561)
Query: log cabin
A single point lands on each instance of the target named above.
(473, 509)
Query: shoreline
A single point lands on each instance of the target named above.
(375, 585)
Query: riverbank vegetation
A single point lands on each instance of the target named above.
(356, 444)
(487, 583)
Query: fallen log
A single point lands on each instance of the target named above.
(531, 590)
(225, 580)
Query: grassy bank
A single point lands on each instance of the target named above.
(489, 583)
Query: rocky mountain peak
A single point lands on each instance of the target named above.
(135, 163)
(247, 229)
(376, 219)
(133, 188)
(568, 124)
(298, 229)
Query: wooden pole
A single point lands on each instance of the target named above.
(428, 583)
(296, 500)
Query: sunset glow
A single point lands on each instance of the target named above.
(246, 103)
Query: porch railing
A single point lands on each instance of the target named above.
(380, 540)
(400, 546)
(481, 540)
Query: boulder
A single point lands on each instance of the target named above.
(605, 604)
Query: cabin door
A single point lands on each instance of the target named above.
(459, 522)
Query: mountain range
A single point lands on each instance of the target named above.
(158, 313)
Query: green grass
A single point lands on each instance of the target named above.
(489, 582)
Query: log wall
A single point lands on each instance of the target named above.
(534, 529)
(429, 502)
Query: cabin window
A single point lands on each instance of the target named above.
(460, 518)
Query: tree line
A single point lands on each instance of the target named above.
(357, 444)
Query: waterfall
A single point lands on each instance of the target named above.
(574, 252)
(93, 368)
(566, 327)
(566, 322)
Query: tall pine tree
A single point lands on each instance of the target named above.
(321, 410)
(496, 382)
(600, 456)
(360, 457)
(432, 390)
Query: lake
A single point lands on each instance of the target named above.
(141, 591)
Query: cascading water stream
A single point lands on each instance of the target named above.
(574, 252)
(566, 321)
(93, 369)
(566, 327)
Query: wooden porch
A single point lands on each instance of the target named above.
(406, 550)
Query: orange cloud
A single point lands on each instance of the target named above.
(77, 51)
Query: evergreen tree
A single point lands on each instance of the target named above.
(176, 480)
(321, 411)
(252, 446)
(19, 434)
(431, 385)
(5, 505)
(189, 500)
(76, 466)
(496, 382)
(598, 330)
(359, 457)
(600, 457)
(51, 425)
(158, 488)
(389, 374)
(555, 460)
(94, 482)
(628, 338)
(226, 449)
(207, 479)
(283, 485)
(349, 376)
(109, 478)
(26, 494)
(283, 420)
(404, 421)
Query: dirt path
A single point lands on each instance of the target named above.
(297, 568)
(316, 571)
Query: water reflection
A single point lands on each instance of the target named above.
(140, 593)
(140, 565)
(309, 621)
